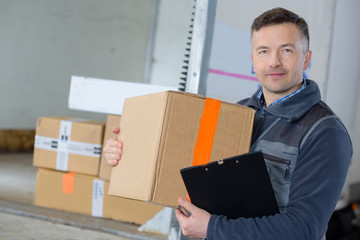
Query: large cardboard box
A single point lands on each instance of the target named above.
(68, 144)
(88, 195)
(111, 122)
(160, 136)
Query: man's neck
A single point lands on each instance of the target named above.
(271, 97)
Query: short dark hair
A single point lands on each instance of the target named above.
(279, 16)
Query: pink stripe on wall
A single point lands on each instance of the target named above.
(235, 75)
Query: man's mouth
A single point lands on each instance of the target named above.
(276, 74)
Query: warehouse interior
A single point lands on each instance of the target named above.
(44, 44)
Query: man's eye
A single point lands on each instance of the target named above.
(287, 50)
(262, 52)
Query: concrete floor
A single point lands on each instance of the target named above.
(20, 219)
(19, 228)
(17, 177)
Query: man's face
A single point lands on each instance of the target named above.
(279, 59)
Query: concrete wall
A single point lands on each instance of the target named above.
(343, 85)
(44, 42)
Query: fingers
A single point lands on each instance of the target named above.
(185, 210)
(180, 216)
(113, 151)
(186, 204)
(116, 130)
(194, 225)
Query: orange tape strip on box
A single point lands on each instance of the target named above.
(206, 134)
(68, 182)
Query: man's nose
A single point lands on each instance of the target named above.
(275, 60)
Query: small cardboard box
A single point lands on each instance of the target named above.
(111, 122)
(68, 144)
(160, 136)
(87, 195)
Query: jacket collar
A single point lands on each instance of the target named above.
(292, 108)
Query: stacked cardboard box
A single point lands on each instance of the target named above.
(68, 152)
(68, 144)
(88, 195)
(165, 132)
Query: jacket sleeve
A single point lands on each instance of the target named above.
(316, 185)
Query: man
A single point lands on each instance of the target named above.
(306, 147)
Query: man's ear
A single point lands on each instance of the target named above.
(308, 56)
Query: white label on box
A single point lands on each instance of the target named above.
(62, 161)
(62, 152)
(46, 143)
(73, 147)
(86, 149)
(97, 198)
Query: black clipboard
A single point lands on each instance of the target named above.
(236, 187)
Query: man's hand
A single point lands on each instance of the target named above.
(194, 226)
(113, 148)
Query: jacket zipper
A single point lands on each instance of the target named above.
(279, 160)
